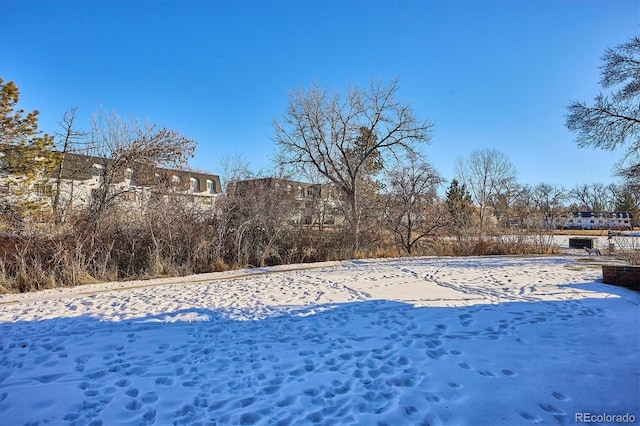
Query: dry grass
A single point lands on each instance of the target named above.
(385, 253)
(170, 243)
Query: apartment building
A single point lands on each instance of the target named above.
(598, 220)
(317, 204)
(80, 175)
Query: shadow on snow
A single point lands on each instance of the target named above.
(352, 363)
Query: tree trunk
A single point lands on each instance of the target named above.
(355, 217)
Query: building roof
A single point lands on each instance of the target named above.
(82, 167)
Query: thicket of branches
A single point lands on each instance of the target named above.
(365, 150)
(612, 120)
(170, 236)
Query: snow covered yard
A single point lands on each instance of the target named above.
(491, 340)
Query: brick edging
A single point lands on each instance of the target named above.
(623, 275)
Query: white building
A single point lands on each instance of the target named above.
(81, 175)
(598, 220)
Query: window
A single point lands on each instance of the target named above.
(4, 164)
(45, 189)
(211, 186)
(97, 170)
(129, 196)
(130, 176)
(194, 184)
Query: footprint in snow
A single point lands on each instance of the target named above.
(530, 417)
(560, 396)
(487, 373)
(551, 409)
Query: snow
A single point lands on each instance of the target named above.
(489, 340)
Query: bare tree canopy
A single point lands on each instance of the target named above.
(70, 140)
(413, 211)
(325, 132)
(124, 143)
(548, 198)
(613, 119)
(114, 138)
(594, 197)
(487, 174)
(346, 137)
(233, 168)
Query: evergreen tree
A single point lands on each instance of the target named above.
(460, 208)
(27, 160)
(627, 204)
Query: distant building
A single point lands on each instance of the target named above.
(317, 204)
(83, 174)
(598, 220)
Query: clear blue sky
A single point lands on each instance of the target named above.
(489, 74)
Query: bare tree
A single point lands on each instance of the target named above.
(265, 209)
(345, 138)
(503, 204)
(233, 168)
(413, 211)
(523, 206)
(228, 220)
(593, 197)
(122, 144)
(631, 174)
(487, 174)
(614, 118)
(548, 200)
(71, 140)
